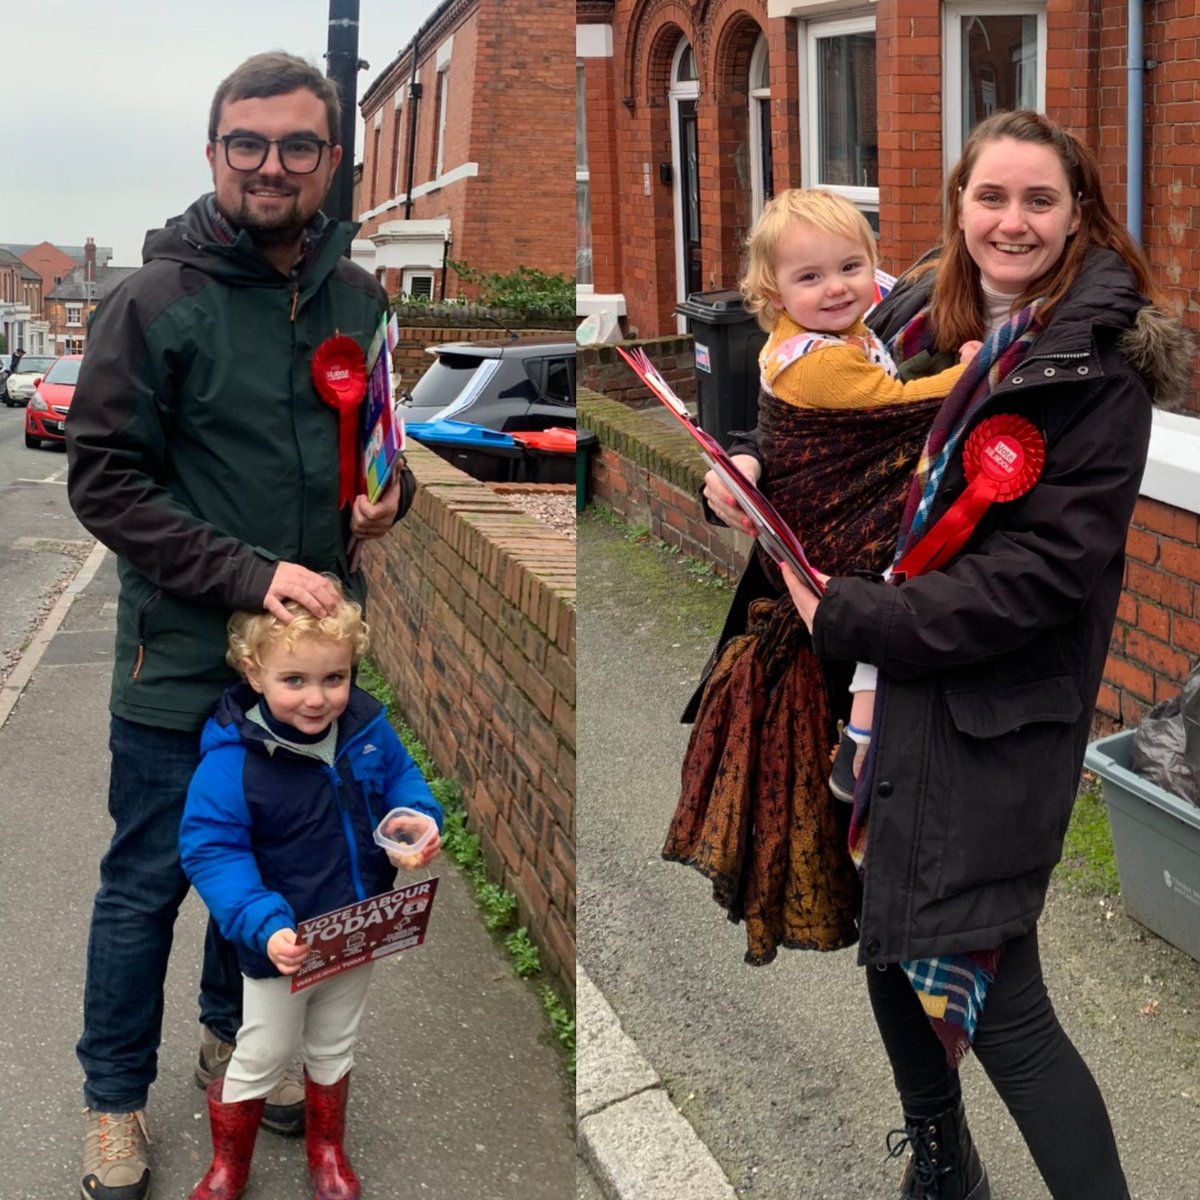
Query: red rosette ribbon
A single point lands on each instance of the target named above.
(339, 372)
(1002, 460)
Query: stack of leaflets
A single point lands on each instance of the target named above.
(775, 536)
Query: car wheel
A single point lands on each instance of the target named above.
(33, 443)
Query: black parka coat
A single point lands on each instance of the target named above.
(990, 666)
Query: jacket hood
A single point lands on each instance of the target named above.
(192, 239)
(1162, 350)
(230, 724)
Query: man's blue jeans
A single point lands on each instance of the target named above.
(141, 888)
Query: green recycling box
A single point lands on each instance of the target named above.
(1156, 836)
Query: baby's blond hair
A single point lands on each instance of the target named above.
(250, 633)
(822, 210)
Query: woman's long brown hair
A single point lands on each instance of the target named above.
(956, 305)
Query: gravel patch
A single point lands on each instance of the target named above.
(557, 509)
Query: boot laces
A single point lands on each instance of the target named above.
(921, 1142)
(118, 1134)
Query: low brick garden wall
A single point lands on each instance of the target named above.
(472, 610)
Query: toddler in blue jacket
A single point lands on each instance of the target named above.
(297, 768)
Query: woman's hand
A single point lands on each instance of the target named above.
(802, 595)
(722, 503)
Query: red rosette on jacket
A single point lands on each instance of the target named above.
(339, 373)
(1002, 459)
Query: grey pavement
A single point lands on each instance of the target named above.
(457, 1091)
(777, 1072)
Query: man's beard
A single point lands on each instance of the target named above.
(280, 230)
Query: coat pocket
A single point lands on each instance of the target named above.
(1006, 780)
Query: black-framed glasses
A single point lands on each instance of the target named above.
(299, 155)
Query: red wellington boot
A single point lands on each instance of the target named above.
(324, 1130)
(234, 1128)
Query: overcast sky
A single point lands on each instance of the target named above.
(104, 108)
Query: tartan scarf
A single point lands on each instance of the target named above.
(999, 355)
(950, 987)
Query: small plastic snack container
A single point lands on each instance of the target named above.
(404, 833)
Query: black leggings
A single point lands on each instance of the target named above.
(1029, 1059)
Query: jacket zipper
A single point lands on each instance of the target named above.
(348, 832)
(295, 301)
(148, 604)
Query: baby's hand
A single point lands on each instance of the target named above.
(968, 350)
(285, 952)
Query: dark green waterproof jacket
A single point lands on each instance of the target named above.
(200, 452)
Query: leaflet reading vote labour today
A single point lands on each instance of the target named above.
(361, 933)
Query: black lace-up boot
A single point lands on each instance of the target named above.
(943, 1162)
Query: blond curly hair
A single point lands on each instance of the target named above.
(814, 207)
(251, 633)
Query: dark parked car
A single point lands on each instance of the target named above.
(511, 385)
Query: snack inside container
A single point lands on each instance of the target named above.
(404, 833)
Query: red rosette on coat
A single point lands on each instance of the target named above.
(339, 373)
(1002, 459)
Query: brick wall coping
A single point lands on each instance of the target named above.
(642, 437)
(1173, 466)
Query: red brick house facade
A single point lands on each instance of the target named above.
(470, 157)
(691, 112)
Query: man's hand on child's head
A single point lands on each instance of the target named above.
(968, 350)
(285, 952)
(310, 590)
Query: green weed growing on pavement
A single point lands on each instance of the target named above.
(498, 905)
(526, 959)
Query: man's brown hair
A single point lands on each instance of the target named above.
(276, 74)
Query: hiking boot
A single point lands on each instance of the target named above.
(284, 1110)
(115, 1160)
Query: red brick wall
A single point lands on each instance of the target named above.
(505, 61)
(1157, 638)
(473, 617)
(603, 370)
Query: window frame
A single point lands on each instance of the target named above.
(865, 199)
(757, 96)
(411, 274)
(952, 62)
(583, 173)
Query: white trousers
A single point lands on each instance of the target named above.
(319, 1022)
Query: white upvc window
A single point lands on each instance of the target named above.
(841, 130)
(584, 278)
(443, 105)
(74, 314)
(993, 58)
(761, 179)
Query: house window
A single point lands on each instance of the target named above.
(73, 345)
(994, 59)
(375, 148)
(583, 187)
(74, 314)
(840, 124)
(762, 185)
(443, 103)
(418, 285)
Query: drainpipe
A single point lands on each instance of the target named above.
(1135, 118)
(414, 101)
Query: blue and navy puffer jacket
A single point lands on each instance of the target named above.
(271, 836)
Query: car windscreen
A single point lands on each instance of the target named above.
(35, 366)
(66, 370)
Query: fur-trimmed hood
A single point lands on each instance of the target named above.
(1162, 350)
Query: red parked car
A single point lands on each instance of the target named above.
(46, 412)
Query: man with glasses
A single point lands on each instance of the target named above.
(202, 454)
